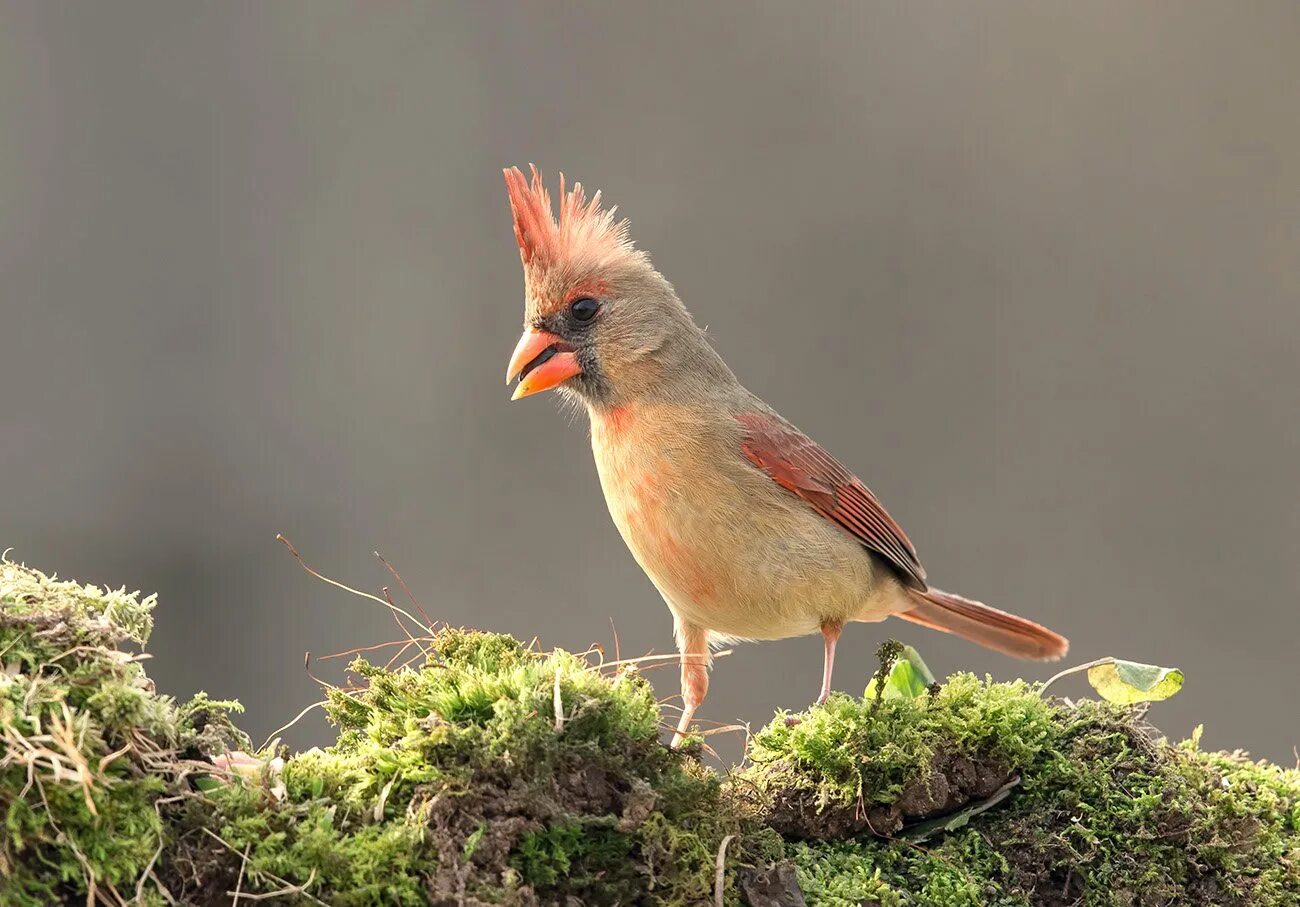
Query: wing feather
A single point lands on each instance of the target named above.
(803, 467)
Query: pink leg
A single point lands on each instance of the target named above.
(694, 645)
(831, 635)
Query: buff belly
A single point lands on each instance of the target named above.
(774, 571)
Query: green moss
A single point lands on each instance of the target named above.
(462, 775)
(1106, 813)
(571, 856)
(850, 751)
(326, 848)
(87, 748)
(460, 779)
(955, 873)
(68, 610)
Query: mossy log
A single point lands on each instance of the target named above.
(490, 773)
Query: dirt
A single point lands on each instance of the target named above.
(952, 782)
(505, 808)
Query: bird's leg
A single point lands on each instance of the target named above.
(830, 635)
(694, 645)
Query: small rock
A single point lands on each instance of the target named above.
(775, 886)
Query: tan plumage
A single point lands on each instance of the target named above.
(748, 529)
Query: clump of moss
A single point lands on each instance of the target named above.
(490, 773)
(88, 750)
(854, 765)
(1105, 811)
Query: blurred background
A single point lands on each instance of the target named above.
(1031, 269)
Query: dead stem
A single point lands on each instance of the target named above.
(720, 874)
(338, 585)
(280, 730)
(286, 890)
(429, 622)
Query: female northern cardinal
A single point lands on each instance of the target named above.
(748, 528)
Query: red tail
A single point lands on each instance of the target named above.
(987, 626)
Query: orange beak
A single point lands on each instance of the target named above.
(540, 362)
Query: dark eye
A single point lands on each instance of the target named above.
(584, 309)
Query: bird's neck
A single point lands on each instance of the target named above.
(684, 370)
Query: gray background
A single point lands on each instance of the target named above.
(1031, 269)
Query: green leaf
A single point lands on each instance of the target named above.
(908, 679)
(1127, 682)
(472, 842)
(923, 831)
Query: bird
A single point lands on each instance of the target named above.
(748, 528)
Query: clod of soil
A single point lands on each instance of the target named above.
(950, 782)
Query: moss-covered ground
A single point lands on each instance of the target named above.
(490, 773)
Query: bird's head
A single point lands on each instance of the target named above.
(598, 318)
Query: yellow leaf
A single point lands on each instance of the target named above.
(1127, 682)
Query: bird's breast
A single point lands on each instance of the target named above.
(647, 490)
(727, 548)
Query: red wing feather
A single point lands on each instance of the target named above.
(800, 465)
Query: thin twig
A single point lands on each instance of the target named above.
(275, 733)
(306, 666)
(162, 889)
(333, 582)
(402, 651)
(148, 870)
(669, 658)
(239, 882)
(288, 889)
(388, 597)
(1074, 670)
(410, 661)
(559, 704)
(428, 621)
(720, 875)
(405, 643)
